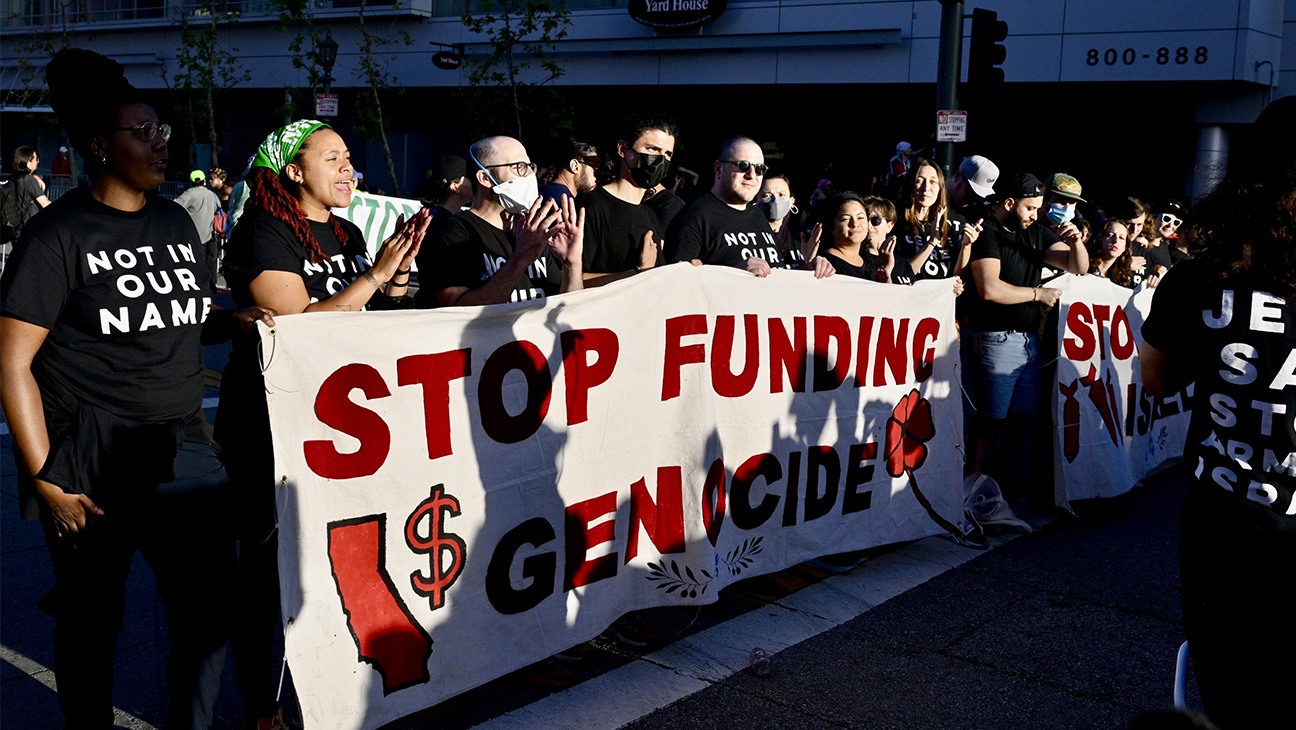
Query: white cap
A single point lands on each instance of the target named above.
(903, 147)
(63, 150)
(980, 174)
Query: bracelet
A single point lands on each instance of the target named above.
(1034, 293)
(398, 273)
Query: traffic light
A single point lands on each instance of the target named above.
(987, 51)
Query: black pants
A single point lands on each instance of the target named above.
(177, 527)
(1237, 604)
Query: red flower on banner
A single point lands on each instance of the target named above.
(908, 430)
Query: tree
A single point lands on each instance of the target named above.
(521, 34)
(292, 14)
(23, 83)
(206, 67)
(374, 70)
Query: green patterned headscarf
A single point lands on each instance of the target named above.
(280, 147)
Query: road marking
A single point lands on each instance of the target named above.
(45, 676)
(694, 663)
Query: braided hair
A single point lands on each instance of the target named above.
(270, 193)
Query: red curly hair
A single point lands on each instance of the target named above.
(269, 193)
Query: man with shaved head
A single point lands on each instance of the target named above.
(722, 227)
(509, 246)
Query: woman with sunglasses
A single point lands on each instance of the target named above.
(858, 240)
(1111, 257)
(290, 254)
(104, 308)
(936, 241)
(1167, 220)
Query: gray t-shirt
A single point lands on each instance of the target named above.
(202, 205)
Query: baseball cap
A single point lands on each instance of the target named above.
(903, 147)
(197, 176)
(981, 174)
(1022, 185)
(1060, 183)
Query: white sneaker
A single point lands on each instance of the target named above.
(984, 500)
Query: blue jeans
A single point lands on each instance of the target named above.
(1001, 372)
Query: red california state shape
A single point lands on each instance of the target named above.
(385, 633)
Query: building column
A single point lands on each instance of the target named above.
(1212, 159)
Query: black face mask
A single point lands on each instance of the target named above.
(651, 171)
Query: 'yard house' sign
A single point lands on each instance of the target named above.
(676, 13)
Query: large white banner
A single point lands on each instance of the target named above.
(1109, 431)
(463, 492)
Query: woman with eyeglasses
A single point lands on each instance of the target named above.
(936, 241)
(1110, 255)
(105, 306)
(290, 254)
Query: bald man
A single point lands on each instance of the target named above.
(722, 227)
(509, 246)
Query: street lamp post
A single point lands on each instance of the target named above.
(327, 50)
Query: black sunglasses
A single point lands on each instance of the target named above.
(744, 166)
(876, 220)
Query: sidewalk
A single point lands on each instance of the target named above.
(1074, 626)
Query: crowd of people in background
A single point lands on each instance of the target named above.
(102, 384)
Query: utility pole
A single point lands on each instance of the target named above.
(948, 72)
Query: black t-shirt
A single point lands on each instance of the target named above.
(427, 260)
(614, 232)
(715, 233)
(468, 251)
(1021, 261)
(666, 205)
(29, 189)
(943, 259)
(788, 241)
(123, 295)
(261, 242)
(1237, 343)
(900, 273)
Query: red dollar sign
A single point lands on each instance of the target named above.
(438, 543)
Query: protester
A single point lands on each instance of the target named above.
(622, 236)
(289, 254)
(1004, 315)
(107, 423)
(779, 206)
(1169, 216)
(970, 185)
(508, 246)
(573, 173)
(858, 240)
(61, 168)
(1111, 257)
(1239, 525)
(934, 240)
(1133, 213)
(203, 205)
(721, 227)
(24, 192)
(447, 191)
(899, 165)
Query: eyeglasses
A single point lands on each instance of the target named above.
(148, 130)
(745, 166)
(1170, 220)
(593, 161)
(876, 220)
(521, 169)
